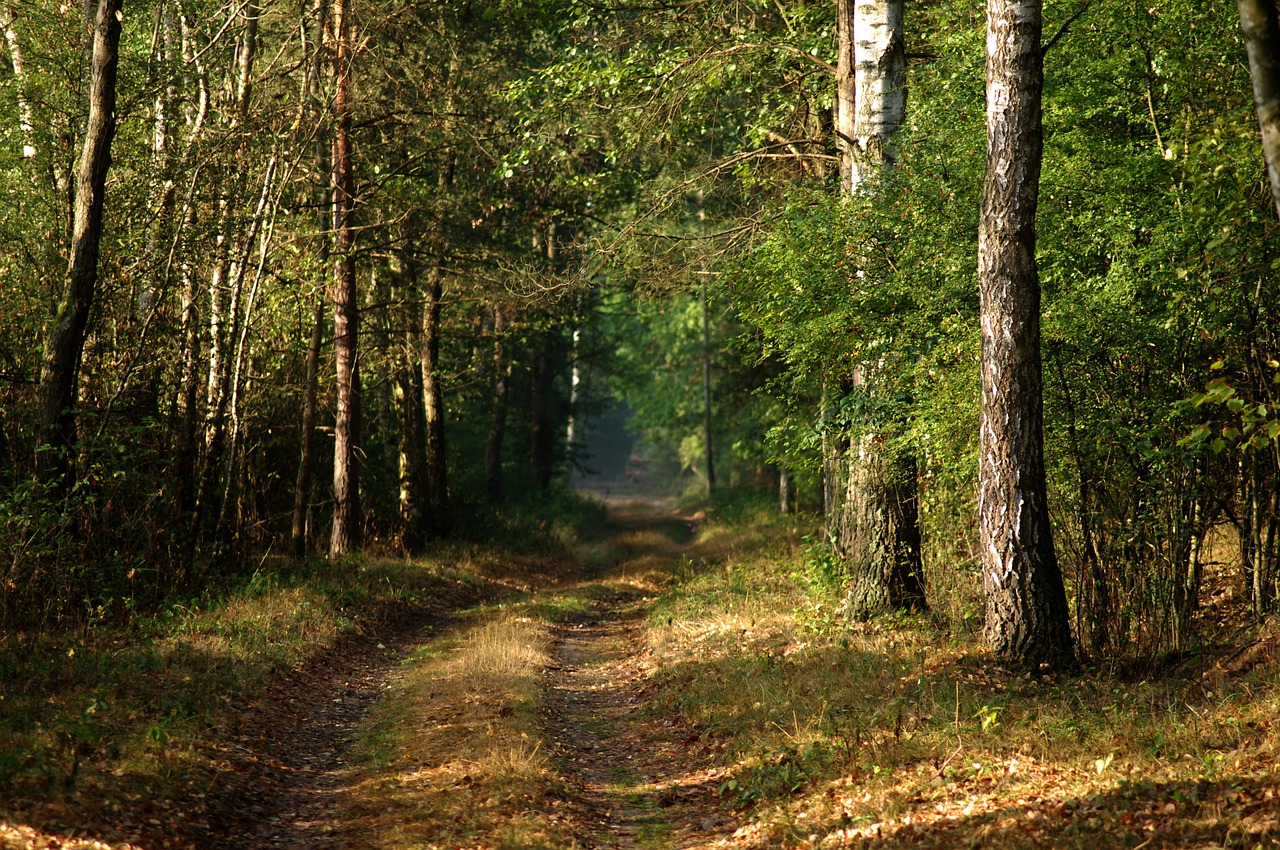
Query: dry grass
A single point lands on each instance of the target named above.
(507, 647)
(453, 758)
(889, 733)
(103, 728)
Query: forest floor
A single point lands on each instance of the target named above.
(673, 682)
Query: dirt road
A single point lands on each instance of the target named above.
(629, 779)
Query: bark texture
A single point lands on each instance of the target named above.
(26, 120)
(306, 460)
(1260, 25)
(433, 405)
(65, 336)
(881, 539)
(880, 65)
(346, 306)
(875, 517)
(846, 90)
(1027, 620)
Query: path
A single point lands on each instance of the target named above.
(288, 766)
(635, 781)
(640, 784)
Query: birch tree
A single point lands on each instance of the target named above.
(875, 516)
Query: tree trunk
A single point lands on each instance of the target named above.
(345, 535)
(406, 387)
(497, 416)
(65, 337)
(874, 501)
(306, 462)
(880, 65)
(572, 433)
(1260, 25)
(26, 121)
(1027, 620)
(433, 404)
(260, 232)
(846, 90)
(882, 545)
(302, 530)
(187, 401)
(542, 440)
(541, 434)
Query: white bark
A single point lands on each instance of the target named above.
(575, 385)
(880, 82)
(26, 122)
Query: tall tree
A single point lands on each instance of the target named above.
(65, 336)
(437, 472)
(875, 516)
(306, 461)
(1027, 621)
(346, 304)
(1260, 25)
(501, 379)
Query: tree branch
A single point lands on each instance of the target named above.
(1062, 30)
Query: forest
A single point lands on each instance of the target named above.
(639, 423)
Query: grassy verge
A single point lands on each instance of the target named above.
(104, 729)
(839, 734)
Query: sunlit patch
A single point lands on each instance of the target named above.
(21, 837)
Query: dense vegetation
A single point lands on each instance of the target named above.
(443, 236)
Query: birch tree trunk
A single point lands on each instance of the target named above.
(234, 242)
(880, 80)
(1027, 620)
(26, 121)
(260, 231)
(874, 504)
(345, 535)
(65, 336)
(1260, 25)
